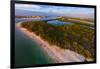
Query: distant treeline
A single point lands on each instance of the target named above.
(75, 37)
(88, 22)
(84, 19)
(30, 16)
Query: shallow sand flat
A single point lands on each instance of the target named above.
(59, 55)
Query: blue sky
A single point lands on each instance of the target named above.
(56, 9)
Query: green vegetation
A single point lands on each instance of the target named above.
(73, 20)
(84, 19)
(75, 37)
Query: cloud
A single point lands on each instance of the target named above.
(61, 10)
(73, 10)
(27, 7)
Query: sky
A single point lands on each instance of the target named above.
(63, 10)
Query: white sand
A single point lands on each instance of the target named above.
(59, 55)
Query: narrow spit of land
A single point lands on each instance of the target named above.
(56, 53)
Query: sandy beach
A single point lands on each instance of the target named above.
(56, 53)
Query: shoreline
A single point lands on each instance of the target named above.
(56, 53)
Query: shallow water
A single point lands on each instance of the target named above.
(27, 51)
(57, 22)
